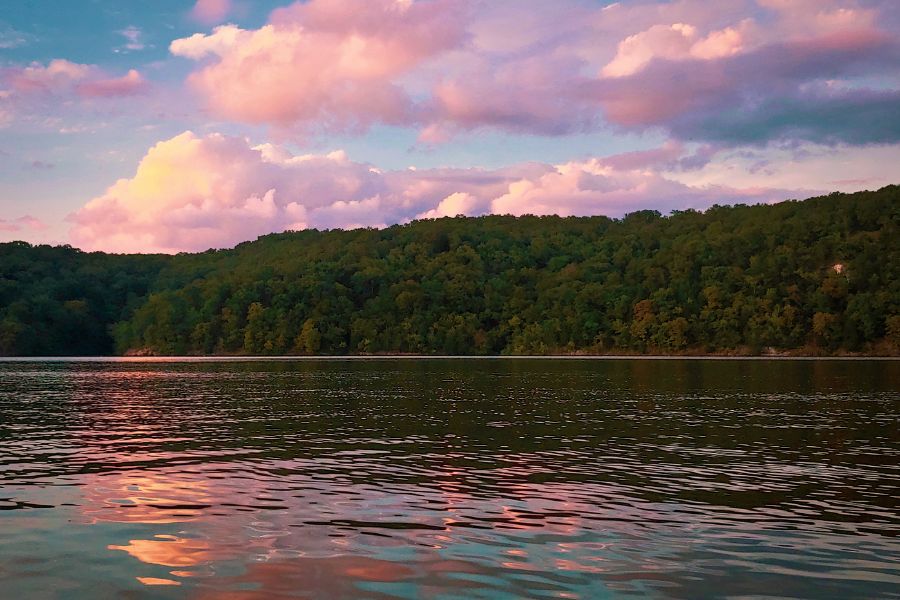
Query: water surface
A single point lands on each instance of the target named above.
(449, 479)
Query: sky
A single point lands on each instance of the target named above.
(181, 126)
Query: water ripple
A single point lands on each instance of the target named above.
(450, 479)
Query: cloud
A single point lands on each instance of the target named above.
(688, 68)
(594, 187)
(218, 43)
(858, 117)
(11, 38)
(211, 12)
(6, 114)
(777, 91)
(678, 41)
(324, 64)
(671, 156)
(537, 95)
(826, 168)
(134, 39)
(22, 224)
(194, 192)
(457, 203)
(695, 73)
(61, 77)
(130, 84)
(58, 75)
(40, 165)
(37, 91)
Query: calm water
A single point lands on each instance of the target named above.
(450, 479)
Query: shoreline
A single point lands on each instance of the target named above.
(425, 357)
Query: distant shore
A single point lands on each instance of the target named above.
(399, 356)
(815, 278)
(881, 352)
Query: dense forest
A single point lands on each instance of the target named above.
(815, 277)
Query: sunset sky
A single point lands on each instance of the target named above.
(170, 126)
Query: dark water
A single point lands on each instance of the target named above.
(450, 479)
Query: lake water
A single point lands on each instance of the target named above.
(440, 479)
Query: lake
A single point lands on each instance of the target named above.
(449, 478)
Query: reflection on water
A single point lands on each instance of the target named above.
(450, 479)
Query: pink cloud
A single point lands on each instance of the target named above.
(324, 64)
(193, 193)
(688, 67)
(671, 156)
(211, 12)
(128, 85)
(593, 187)
(457, 203)
(528, 95)
(61, 77)
(345, 65)
(22, 224)
(678, 41)
(59, 74)
(59, 82)
(43, 93)
(739, 96)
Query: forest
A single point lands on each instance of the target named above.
(816, 277)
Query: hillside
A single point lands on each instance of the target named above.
(817, 277)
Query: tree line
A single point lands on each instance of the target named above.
(818, 276)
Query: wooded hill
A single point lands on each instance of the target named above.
(820, 276)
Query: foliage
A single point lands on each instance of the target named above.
(61, 301)
(819, 275)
